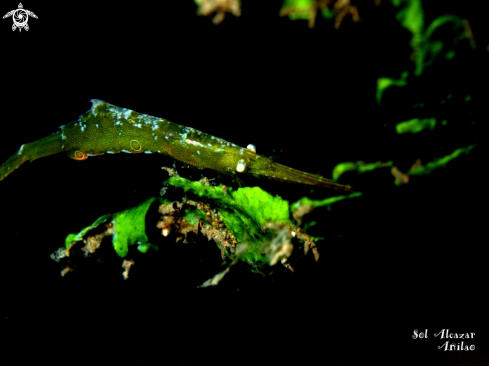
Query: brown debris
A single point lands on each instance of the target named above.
(171, 171)
(127, 264)
(287, 264)
(300, 212)
(173, 221)
(66, 270)
(219, 7)
(290, 232)
(216, 279)
(59, 255)
(341, 8)
(205, 181)
(218, 231)
(92, 244)
(309, 243)
(400, 177)
(416, 164)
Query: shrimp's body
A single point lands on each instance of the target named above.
(106, 128)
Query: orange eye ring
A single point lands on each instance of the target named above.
(78, 155)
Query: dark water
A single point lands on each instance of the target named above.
(396, 260)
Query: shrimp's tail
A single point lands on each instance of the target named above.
(273, 170)
(50, 145)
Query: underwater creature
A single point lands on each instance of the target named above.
(106, 128)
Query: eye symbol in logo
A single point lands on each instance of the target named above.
(20, 17)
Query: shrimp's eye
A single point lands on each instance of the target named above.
(241, 166)
(77, 155)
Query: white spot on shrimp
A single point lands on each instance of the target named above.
(126, 151)
(198, 152)
(156, 137)
(148, 152)
(126, 113)
(63, 137)
(90, 155)
(120, 133)
(166, 137)
(95, 104)
(82, 129)
(241, 151)
(192, 142)
(155, 126)
(20, 150)
(159, 151)
(96, 125)
(109, 152)
(209, 144)
(241, 166)
(251, 147)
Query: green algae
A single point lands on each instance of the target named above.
(360, 168)
(384, 83)
(299, 9)
(129, 228)
(71, 238)
(415, 170)
(416, 125)
(321, 203)
(253, 206)
(260, 222)
(245, 212)
(440, 163)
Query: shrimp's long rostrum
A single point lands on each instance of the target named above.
(106, 128)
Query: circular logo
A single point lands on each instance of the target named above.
(20, 17)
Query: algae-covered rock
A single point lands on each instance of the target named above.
(247, 224)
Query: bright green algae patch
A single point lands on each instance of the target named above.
(245, 212)
(128, 229)
(250, 205)
(416, 125)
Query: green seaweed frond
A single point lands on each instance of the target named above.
(416, 125)
(440, 163)
(359, 167)
(127, 228)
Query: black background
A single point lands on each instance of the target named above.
(408, 258)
